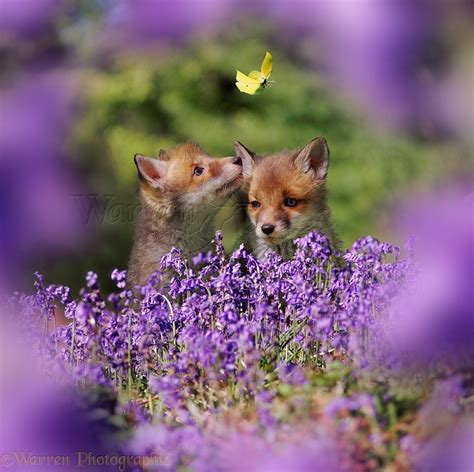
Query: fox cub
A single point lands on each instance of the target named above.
(180, 194)
(287, 198)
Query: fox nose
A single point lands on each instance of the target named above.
(237, 161)
(268, 229)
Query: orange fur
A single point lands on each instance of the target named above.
(178, 206)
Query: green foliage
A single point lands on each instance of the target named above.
(142, 103)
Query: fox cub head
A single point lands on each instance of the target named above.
(286, 192)
(188, 180)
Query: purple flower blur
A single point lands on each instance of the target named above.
(132, 22)
(375, 50)
(431, 322)
(247, 452)
(36, 208)
(380, 55)
(42, 417)
(449, 451)
(27, 18)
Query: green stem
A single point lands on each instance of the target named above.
(129, 354)
(73, 340)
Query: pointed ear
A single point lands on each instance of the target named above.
(314, 158)
(150, 170)
(248, 158)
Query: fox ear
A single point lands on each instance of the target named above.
(248, 158)
(314, 157)
(150, 170)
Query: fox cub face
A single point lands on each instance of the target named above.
(186, 178)
(286, 193)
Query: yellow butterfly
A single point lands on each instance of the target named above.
(256, 81)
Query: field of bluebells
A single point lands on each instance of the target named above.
(320, 363)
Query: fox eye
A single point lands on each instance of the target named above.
(198, 171)
(255, 204)
(290, 202)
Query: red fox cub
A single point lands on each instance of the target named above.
(287, 198)
(180, 194)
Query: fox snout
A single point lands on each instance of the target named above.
(231, 165)
(274, 231)
(230, 169)
(267, 228)
(237, 161)
(271, 224)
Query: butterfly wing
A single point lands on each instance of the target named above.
(246, 79)
(267, 65)
(250, 89)
(257, 75)
(247, 84)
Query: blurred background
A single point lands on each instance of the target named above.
(86, 84)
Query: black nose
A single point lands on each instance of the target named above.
(268, 229)
(237, 161)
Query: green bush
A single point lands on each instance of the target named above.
(141, 103)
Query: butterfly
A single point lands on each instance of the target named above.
(256, 81)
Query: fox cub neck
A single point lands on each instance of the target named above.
(180, 194)
(287, 198)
